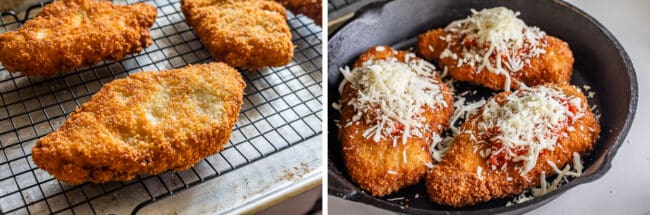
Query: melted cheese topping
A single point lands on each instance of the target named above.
(530, 120)
(494, 39)
(391, 96)
(569, 171)
(462, 108)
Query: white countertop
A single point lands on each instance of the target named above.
(626, 187)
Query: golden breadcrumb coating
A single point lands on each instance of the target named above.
(368, 162)
(249, 34)
(455, 182)
(555, 66)
(146, 123)
(311, 8)
(69, 34)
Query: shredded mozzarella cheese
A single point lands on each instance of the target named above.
(494, 39)
(479, 172)
(545, 187)
(440, 146)
(529, 119)
(391, 95)
(429, 165)
(396, 199)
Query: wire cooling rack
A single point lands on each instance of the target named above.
(282, 108)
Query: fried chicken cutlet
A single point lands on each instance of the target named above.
(146, 123)
(311, 8)
(392, 103)
(468, 49)
(511, 141)
(250, 34)
(69, 34)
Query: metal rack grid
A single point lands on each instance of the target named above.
(282, 107)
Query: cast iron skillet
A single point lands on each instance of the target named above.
(600, 61)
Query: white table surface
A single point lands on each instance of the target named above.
(625, 189)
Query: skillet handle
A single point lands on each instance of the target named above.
(340, 16)
(336, 23)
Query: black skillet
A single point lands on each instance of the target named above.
(600, 62)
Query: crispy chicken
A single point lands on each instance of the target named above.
(311, 8)
(250, 34)
(555, 66)
(70, 34)
(466, 175)
(383, 167)
(146, 123)
(495, 49)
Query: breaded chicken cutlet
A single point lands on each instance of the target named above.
(146, 123)
(468, 49)
(505, 147)
(69, 34)
(311, 8)
(249, 34)
(392, 103)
